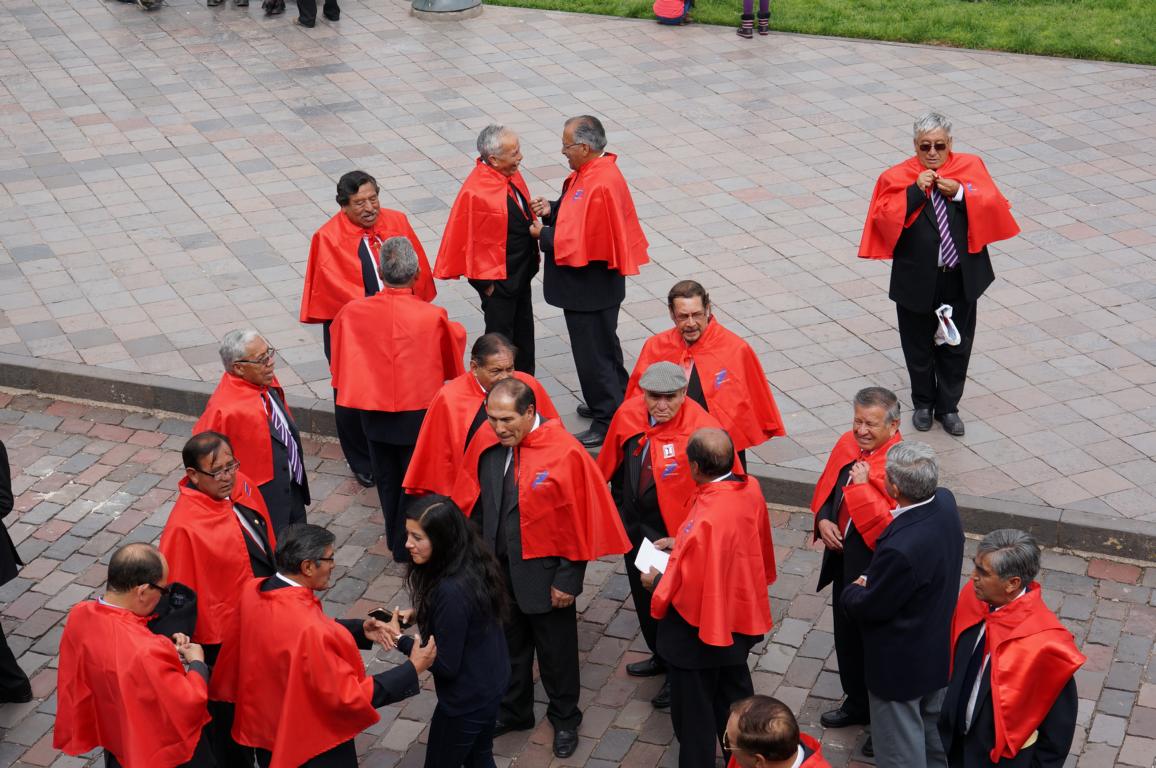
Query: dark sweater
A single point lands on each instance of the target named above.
(472, 668)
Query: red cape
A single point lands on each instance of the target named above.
(1032, 659)
(736, 389)
(474, 242)
(393, 352)
(123, 688)
(303, 690)
(672, 480)
(205, 547)
(333, 274)
(237, 410)
(988, 212)
(814, 761)
(437, 457)
(868, 503)
(718, 573)
(597, 220)
(563, 502)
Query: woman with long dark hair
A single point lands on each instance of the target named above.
(459, 597)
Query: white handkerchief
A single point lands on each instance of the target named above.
(946, 333)
(650, 556)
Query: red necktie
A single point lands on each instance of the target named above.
(844, 513)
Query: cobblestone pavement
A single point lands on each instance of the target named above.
(161, 174)
(89, 478)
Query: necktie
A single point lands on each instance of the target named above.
(948, 256)
(844, 514)
(518, 201)
(367, 254)
(646, 471)
(285, 435)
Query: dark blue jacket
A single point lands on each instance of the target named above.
(905, 610)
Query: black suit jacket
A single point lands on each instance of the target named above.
(522, 259)
(530, 579)
(905, 610)
(973, 750)
(915, 261)
(641, 516)
(578, 289)
(276, 491)
(10, 561)
(848, 565)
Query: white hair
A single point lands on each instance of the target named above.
(931, 121)
(234, 344)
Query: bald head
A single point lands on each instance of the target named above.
(711, 454)
(133, 565)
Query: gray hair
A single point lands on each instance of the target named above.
(1013, 553)
(398, 261)
(300, 542)
(490, 140)
(931, 121)
(879, 397)
(913, 469)
(588, 130)
(234, 344)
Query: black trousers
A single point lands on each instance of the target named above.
(307, 12)
(202, 757)
(849, 652)
(598, 358)
(701, 696)
(938, 373)
(350, 433)
(462, 740)
(228, 752)
(12, 677)
(513, 317)
(278, 514)
(554, 636)
(641, 596)
(390, 463)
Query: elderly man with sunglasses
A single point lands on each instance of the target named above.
(217, 539)
(249, 408)
(934, 215)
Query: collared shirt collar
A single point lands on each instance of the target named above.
(900, 510)
(720, 478)
(288, 580)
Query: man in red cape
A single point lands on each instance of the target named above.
(724, 373)
(851, 508)
(343, 266)
(935, 214)
(458, 412)
(217, 538)
(392, 352)
(644, 459)
(298, 679)
(487, 239)
(592, 239)
(711, 601)
(762, 733)
(249, 408)
(1012, 698)
(123, 688)
(539, 501)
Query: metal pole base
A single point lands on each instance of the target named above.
(446, 10)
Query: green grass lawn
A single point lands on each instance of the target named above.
(1113, 30)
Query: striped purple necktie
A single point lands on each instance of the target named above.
(286, 437)
(947, 252)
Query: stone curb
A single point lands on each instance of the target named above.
(1066, 528)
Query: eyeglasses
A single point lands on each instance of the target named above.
(218, 473)
(323, 559)
(264, 359)
(163, 590)
(691, 316)
(571, 146)
(927, 145)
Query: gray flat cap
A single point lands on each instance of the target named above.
(663, 378)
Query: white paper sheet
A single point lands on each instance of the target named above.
(650, 556)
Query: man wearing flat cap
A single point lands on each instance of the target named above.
(644, 459)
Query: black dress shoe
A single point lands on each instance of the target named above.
(868, 747)
(662, 700)
(301, 23)
(334, 16)
(274, 7)
(921, 419)
(363, 479)
(584, 411)
(591, 438)
(565, 742)
(646, 668)
(952, 424)
(841, 718)
(505, 726)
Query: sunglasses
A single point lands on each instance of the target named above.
(939, 146)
